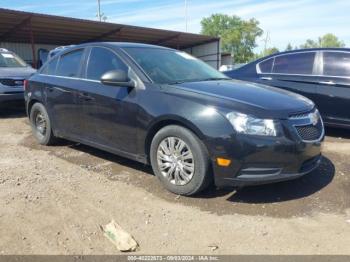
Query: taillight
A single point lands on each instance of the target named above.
(25, 84)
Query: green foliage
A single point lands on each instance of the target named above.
(237, 36)
(327, 40)
(289, 47)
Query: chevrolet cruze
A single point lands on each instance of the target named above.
(163, 107)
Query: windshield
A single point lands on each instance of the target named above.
(11, 60)
(166, 66)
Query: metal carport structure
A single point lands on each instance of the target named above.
(25, 32)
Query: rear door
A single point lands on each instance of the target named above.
(110, 112)
(61, 89)
(333, 90)
(293, 72)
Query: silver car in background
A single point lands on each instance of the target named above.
(13, 72)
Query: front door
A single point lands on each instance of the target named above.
(110, 112)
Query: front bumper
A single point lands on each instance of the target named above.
(9, 97)
(261, 160)
(260, 176)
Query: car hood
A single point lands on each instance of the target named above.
(22, 72)
(250, 98)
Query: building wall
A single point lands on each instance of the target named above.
(24, 50)
(226, 60)
(209, 53)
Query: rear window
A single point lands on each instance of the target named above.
(336, 64)
(266, 66)
(69, 64)
(300, 63)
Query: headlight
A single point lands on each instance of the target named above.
(249, 125)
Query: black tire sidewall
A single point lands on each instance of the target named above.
(201, 160)
(48, 137)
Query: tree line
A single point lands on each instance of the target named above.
(239, 37)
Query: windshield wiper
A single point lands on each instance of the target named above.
(178, 82)
(198, 80)
(215, 78)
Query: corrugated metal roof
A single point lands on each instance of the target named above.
(58, 30)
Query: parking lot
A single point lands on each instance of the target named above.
(54, 200)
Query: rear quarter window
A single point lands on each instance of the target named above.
(266, 66)
(50, 68)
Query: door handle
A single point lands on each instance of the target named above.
(86, 97)
(330, 83)
(53, 88)
(266, 78)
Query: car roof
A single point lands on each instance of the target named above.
(130, 44)
(304, 50)
(113, 44)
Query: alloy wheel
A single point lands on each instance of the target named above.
(175, 161)
(40, 123)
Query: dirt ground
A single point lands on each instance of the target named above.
(54, 199)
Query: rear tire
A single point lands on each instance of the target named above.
(41, 125)
(180, 160)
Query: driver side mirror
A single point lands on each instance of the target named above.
(117, 78)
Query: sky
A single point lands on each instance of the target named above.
(291, 21)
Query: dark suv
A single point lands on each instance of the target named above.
(322, 75)
(13, 71)
(164, 107)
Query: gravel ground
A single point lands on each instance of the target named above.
(54, 199)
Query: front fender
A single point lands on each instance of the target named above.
(206, 121)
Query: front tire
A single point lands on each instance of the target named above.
(180, 160)
(41, 125)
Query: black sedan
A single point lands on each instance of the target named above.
(166, 108)
(323, 75)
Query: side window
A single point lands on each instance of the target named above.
(44, 70)
(299, 63)
(266, 66)
(50, 68)
(336, 64)
(69, 64)
(102, 60)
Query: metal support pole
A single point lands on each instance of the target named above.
(99, 10)
(218, 54)
(186, 15)
(32, 43)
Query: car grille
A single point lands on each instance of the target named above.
(11, 82)
(310, 132)
(299, 116)
(306, 126)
